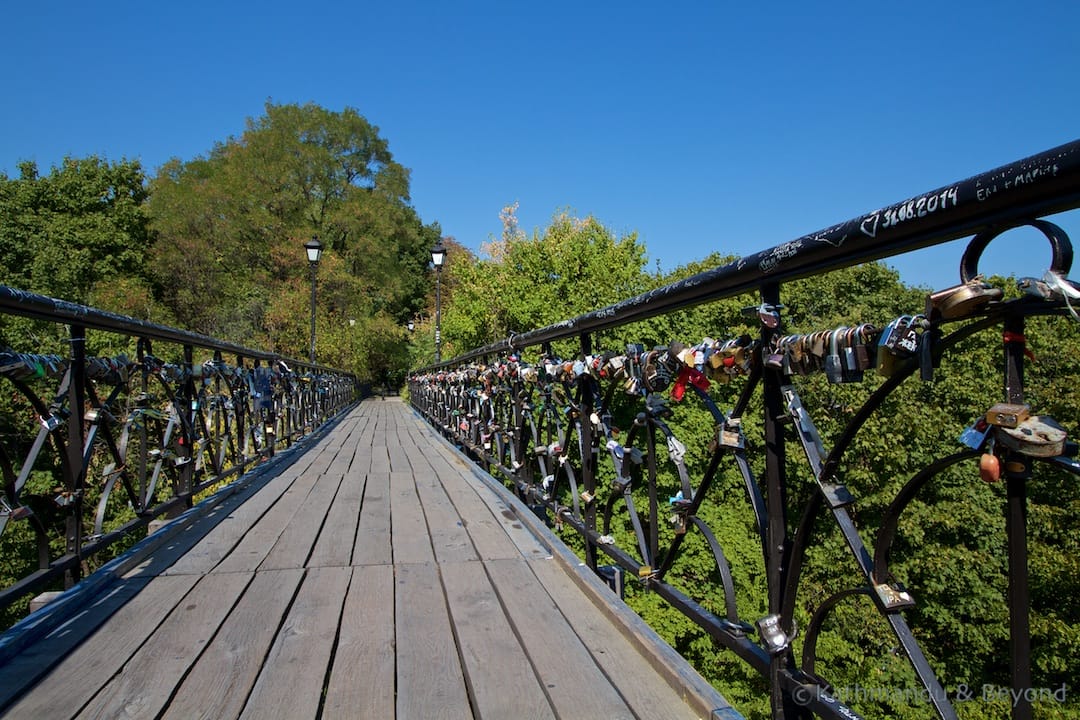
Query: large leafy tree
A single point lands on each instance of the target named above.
(230, 227)
(571, 267)
(79, 233)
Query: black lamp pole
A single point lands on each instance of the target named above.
(438, 257)
(314, 252)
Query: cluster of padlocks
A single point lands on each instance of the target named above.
(537, 422)
(150, 418)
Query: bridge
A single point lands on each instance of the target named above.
(311, 556)
(366, 571)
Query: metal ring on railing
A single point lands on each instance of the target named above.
(1061, 248)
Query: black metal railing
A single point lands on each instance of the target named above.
(546, 424)
(96, 446)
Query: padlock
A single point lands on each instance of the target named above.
(975, 435)
(815, 345)
(774, 358)
(1036, 436)
(852, 371)
(926, 355)
(961, 300)
(730, 437)
(834, 369)
(676, 450)
(899, 340)
(1007, 415)
(904, 340)
(678, 523)
(615, 367)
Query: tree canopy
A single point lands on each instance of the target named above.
(77, 232)
(229, 230)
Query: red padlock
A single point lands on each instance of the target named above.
(989, 467)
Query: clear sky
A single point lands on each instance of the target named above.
(703, 126)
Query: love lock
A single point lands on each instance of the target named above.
(1036, 436)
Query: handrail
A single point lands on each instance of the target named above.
(41, 307)
(150, 432)
(546, 425)
(1035, 186)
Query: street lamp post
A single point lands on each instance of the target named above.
(438, 257)
(314, 252)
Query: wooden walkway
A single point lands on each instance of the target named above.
(370, 572)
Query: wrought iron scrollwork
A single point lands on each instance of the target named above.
(142, 437)
(545, 425)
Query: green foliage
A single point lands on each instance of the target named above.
(950, 549)
(573, 266)
(228, 258)
(75, 232)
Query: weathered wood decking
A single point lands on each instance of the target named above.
(373, 574)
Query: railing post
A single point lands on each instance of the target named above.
(586, 402)
(186, 412)
(779, 548)
(76, 475)
(1017, 472)
(240, 408)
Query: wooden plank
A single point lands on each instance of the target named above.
(446, 527)
(373, 534)
(76, 679)
(487, 533)
(147, 680)
(430, 685)
(257, 542)
(291, 682)
(320, 462)
(361, 463)
(25, 668)
(380, 456)
(294, 545)
(644, 689)
(507, 515)
(576, 685)
(409, 532)
(218, 685)
(500, 678)
(335, 543)
(361, 685)
(219, 542)
(345, 449)
(399, 458)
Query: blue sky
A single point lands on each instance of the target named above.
(703, 126)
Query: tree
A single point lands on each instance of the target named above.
(575, 265)
(230, 227)
(78, 232)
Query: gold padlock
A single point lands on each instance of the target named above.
(1007, 415)
(961, 300)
